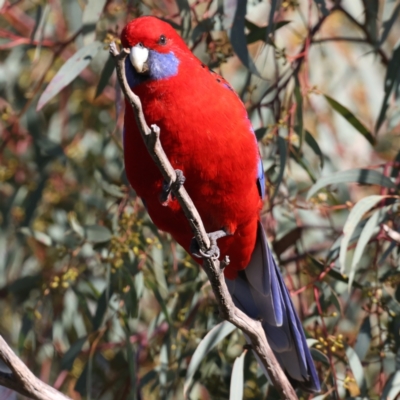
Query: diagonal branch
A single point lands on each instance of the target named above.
(22, 380)
(253, 329)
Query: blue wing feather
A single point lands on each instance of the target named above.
(261, 293)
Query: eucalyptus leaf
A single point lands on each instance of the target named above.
(352, 119)
(370, 229)
(97, 233)
(105, 76)
(68, 72)
(392, 387)
(364, 337)
(392, 80)
(356, 368)
(355, 216)
(237, 378)
(361, 176)
(213, 337)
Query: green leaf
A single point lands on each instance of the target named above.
(90, 17)
(282, 164)
(333, 273)
(392, 80)
(357, 368)
(161, 301)
(351, 118)
(238, 38)
(274, 5)
(387, 26)
(69, 357)
(363, 342)
(206, 25)
(390, 303)
(37, 235)
(299, 111)
(324, 11)
(371, 9)
(237, 378)
(81, 383)
(132, 367)
(21, 287)
(357, 212)
(105, 76)
(260, 32)
(392, 387)
(97, 233)
(185, 13)
(260, 133)
(102, 306)
(310, 140)
(362, 176)
(69, 71)
(370, 229)
(209, 341)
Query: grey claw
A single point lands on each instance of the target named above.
(213, 252)
(168, 187)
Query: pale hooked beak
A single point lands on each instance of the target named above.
(138, 56)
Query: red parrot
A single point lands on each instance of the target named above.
(209, 140)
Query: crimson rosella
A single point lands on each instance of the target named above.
(208, 138)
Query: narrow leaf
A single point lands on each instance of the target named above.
(392, 79)
(209, 341)
(237, 378)
(102, 306)
(392, 387)
(260, 133)
(97, 233)
(69, 357)
(274, 4)
(310, 140)
(324, 11)
(105, 75)
(206, 25)
(299, 110)
(351, 118)
(90, 17)
(362, 176)
(352, 221)
(282, 158)
(370, 228)
(387, 25)
(260, 32)
(68, 72)
(357, 368)
(363, 339)
(238, 38)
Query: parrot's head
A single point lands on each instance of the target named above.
(155, 48)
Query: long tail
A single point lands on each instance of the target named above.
(260, 292)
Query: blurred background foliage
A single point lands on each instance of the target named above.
(102, 305)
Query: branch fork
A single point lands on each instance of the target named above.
(213, 267)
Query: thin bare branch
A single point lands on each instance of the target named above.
(253, 329)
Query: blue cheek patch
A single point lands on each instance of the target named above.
(161, 66)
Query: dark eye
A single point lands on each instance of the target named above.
(162, 40)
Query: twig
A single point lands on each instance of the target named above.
(22, 380)
(253, 329)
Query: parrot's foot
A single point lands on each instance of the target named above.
(213, 251)
(169, 186)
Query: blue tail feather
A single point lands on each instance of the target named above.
(261, 293)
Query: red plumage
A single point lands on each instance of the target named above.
(206, 133)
